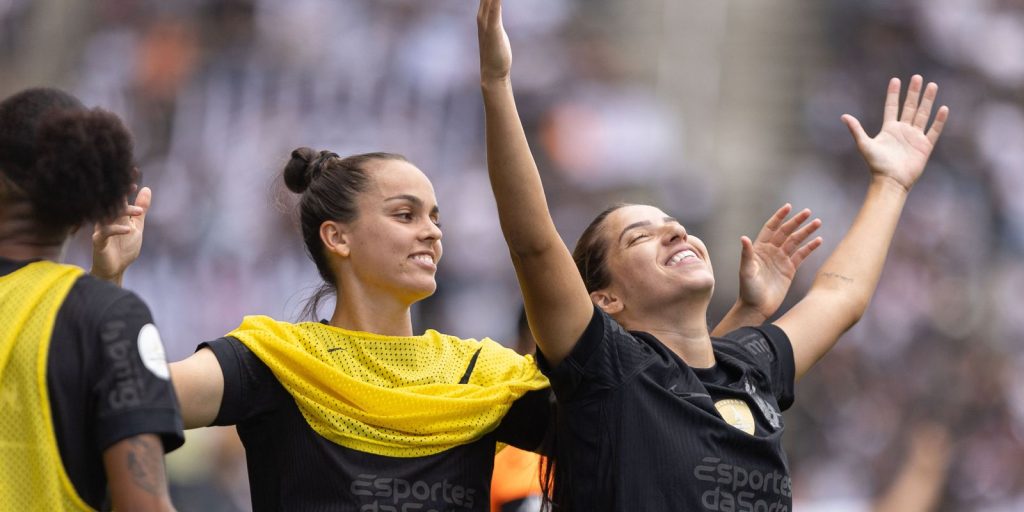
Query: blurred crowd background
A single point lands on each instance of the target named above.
(717, 111)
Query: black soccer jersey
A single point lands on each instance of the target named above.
(641, 430)
(291, 467)
(107, 378)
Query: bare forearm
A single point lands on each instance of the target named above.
(135, 470)
(557, 303)
(852, 271)
(740, 315)
(518, 191)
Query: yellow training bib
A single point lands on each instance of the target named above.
(32, 476)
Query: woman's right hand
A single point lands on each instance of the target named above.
(495, 50)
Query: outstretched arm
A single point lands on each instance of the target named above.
(199, 383)
(767, 267)
(845, 283)
(557, 303)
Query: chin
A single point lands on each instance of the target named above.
(420, 291)
(699, 289)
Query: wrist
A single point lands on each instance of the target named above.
(115, 278)
(748, 311)
(889, 183)
(495, 82)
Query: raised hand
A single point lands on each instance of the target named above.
(769, 263)
(901, 149)
(115, 245)
(495, 50)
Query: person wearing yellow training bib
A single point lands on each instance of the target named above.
(87, 409)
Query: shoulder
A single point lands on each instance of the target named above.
(92, 298)
(764, 342)
(96, 314)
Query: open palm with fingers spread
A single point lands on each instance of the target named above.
(901, 149)
(769, 263)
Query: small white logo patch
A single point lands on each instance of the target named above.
(151, 349)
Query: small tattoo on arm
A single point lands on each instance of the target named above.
(838, 276)
(145, 461)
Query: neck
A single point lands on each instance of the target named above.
(23, 238)
(683, 328)
(379, 313)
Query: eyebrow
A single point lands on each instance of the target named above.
(414, 200)
(642, 224)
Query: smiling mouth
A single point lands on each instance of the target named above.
(423, 258)
(681, 256)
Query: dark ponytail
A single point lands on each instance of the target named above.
(555, 467)
(329, 187)
(72, 164)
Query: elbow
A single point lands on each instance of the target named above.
(846, 308)
(528, 250)
(854, 313)
(853, 306)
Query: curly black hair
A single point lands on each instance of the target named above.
(73, 164)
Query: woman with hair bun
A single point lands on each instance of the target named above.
(357, 412)
(86, 406)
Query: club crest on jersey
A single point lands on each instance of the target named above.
(736, 413)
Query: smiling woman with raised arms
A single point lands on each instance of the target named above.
(655, 413)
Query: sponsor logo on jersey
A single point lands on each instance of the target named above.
(127, 377)
(385, 494)
(757, 345)
(733, 488)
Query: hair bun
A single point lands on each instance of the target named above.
(298, 172)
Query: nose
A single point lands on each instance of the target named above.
(432, 232)
(674, 232)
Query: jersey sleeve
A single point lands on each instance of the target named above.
(250, 388)
(526, 422)
(767, 348)
(604, 357)
(131, 386)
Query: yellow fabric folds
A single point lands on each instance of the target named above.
(387, 395)
(32, 475)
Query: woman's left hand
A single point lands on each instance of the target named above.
(115, 245)
(901, 149)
